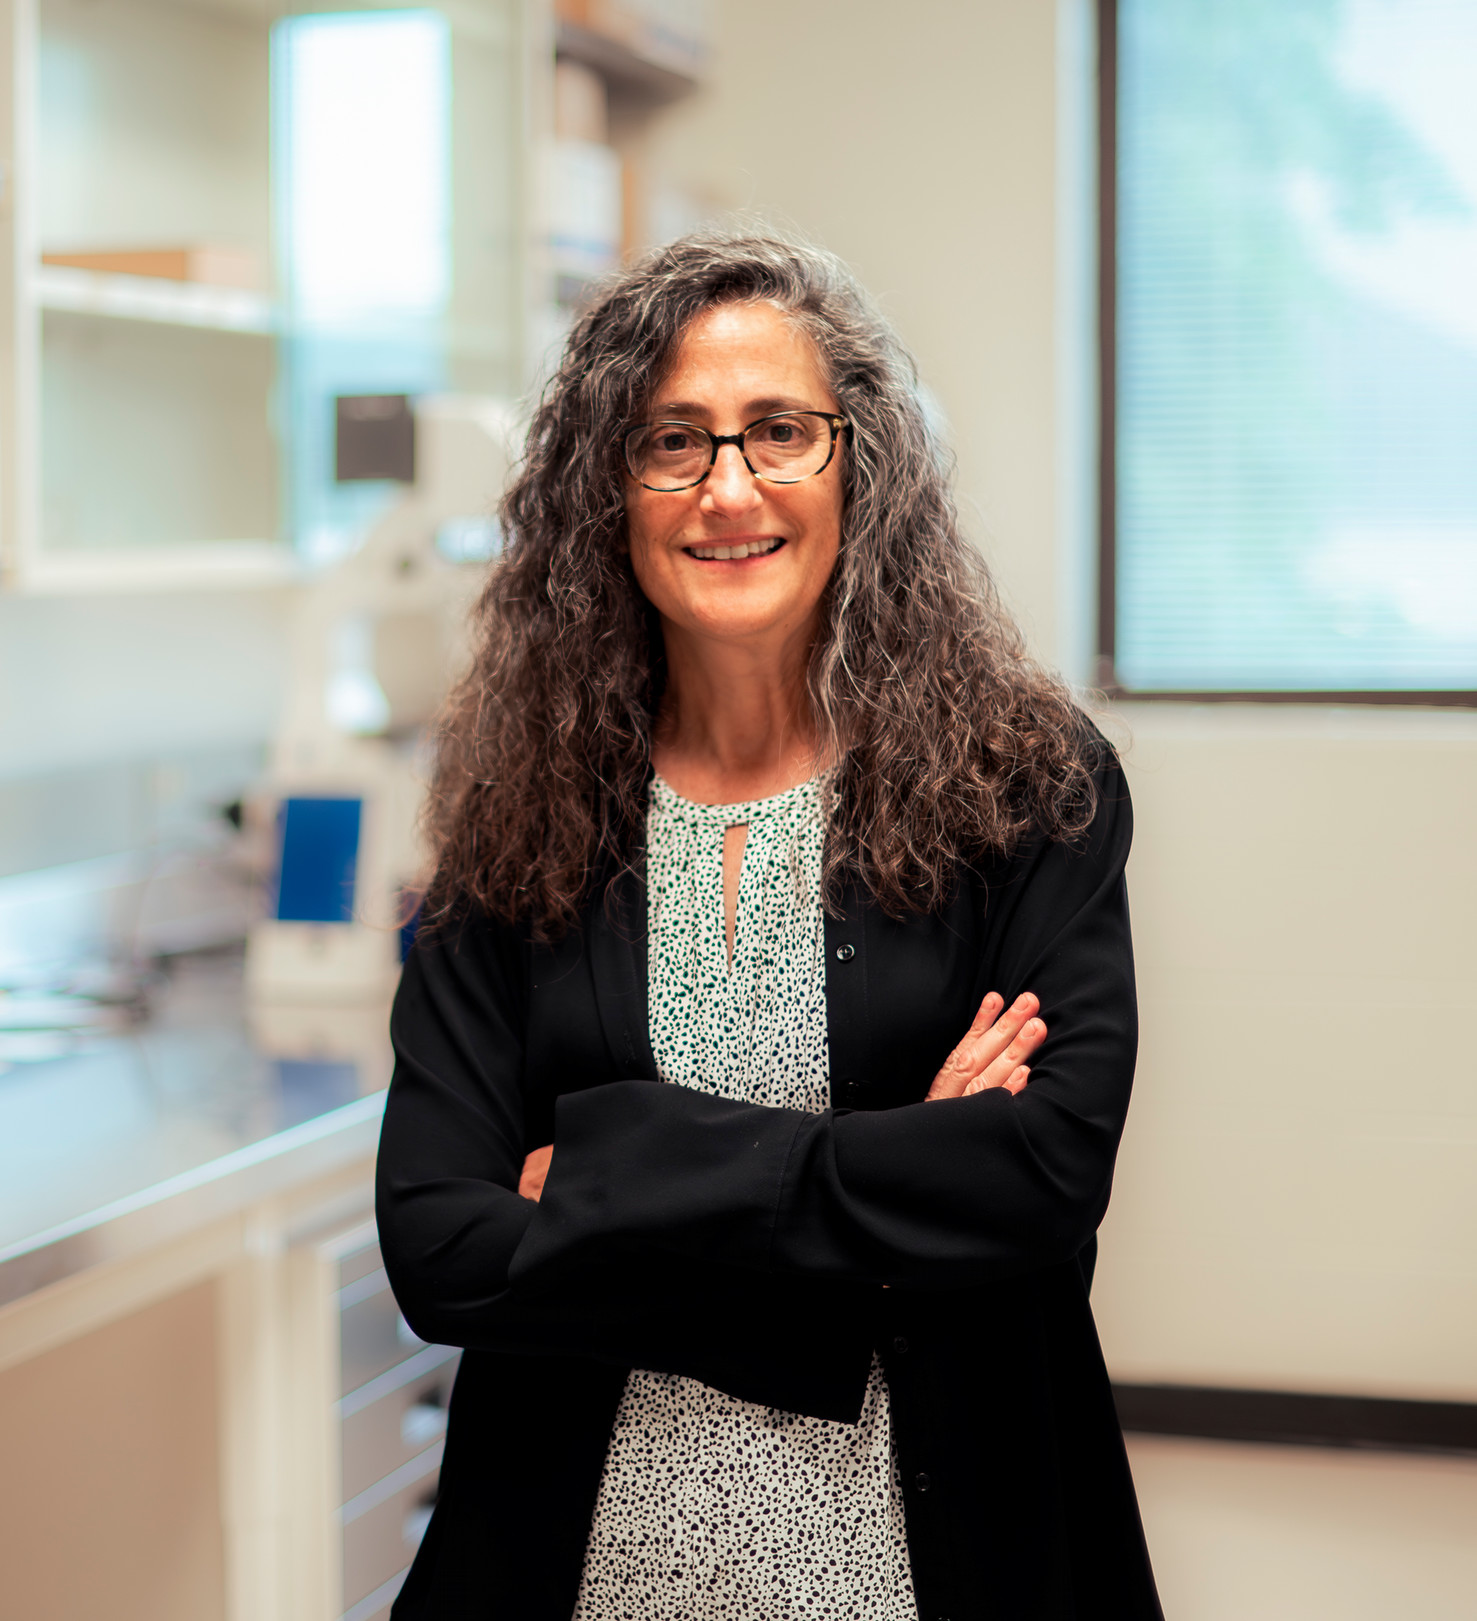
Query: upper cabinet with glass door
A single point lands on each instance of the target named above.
(227, 213)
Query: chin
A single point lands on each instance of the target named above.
(729, 623)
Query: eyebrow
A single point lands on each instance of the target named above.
(682, 410)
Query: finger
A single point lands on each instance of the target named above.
(979, 1049)
(535, 1172)
(1016, 1083)
(957, 1068)
(987, 1015)
(1003, 1069)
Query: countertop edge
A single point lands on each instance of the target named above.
(218, 1188)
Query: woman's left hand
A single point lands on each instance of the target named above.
(535, 1170)
(994, 1050)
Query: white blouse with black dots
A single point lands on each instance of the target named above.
(710, 1508)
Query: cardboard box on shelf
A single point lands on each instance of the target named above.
(209, 265)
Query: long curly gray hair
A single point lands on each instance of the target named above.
(950, 743)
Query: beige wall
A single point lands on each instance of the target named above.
(1297, 1202)
(917, 142)
(1297, 1195)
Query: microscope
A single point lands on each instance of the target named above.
(377, 640)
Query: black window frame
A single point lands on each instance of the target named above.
(1105, 674)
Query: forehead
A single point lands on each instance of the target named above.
(736, 355)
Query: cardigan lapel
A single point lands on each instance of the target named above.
(618, 967)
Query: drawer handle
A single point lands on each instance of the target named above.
(421, 1424)
(414, 1526)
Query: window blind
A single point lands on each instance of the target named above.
(1296, 345)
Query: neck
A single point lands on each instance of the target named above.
(735, 720)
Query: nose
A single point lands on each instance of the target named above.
(730, 490)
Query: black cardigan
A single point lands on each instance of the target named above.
(748, 1246)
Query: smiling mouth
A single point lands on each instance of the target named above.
(735, 553)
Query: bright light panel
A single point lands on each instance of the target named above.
(363, 124)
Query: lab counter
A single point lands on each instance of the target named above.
(121, 1140)
(210, 1408)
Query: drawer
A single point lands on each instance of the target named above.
(377, 1606)
(373, 1336)
(393, 1418)
(364, 1257)
(384, 1525)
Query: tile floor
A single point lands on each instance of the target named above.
(1253, 1533)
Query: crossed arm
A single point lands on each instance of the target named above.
(1007, 1176)
(993, 1053)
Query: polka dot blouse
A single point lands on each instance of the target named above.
(710, 1508)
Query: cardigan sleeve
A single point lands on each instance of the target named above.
(935, 1195)
(451, 1152)
(451, 1146)
(451, 1219)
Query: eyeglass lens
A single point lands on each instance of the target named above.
(673, 455)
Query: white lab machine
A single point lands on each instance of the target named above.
(376, 641)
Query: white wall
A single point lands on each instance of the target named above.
(1296, 1203)
(1297, 1198)
(918, 143)
(128, 719)
(89, 679)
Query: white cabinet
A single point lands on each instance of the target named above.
(217, 216)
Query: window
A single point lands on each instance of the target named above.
(1289, 328)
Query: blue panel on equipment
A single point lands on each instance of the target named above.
(409, 928)
(320, 853)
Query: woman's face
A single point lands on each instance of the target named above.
(738, 362)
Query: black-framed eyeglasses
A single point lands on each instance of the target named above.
(782, 449)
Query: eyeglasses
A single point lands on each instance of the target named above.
(782, 449)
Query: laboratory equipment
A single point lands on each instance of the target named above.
(377, 640)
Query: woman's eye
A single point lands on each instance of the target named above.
(671, 443)
(783, 434)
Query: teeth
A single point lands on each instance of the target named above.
(749, 548)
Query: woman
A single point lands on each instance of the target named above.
(752, 791)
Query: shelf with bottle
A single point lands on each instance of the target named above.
(618, 63)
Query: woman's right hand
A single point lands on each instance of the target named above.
(994, 1050)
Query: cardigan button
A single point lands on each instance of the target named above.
(922, 1481)
(900, 1344)
(845, 953)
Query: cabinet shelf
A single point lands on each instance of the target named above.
(621, 65)
(211, 565)
(168, 423)
(149, 298)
